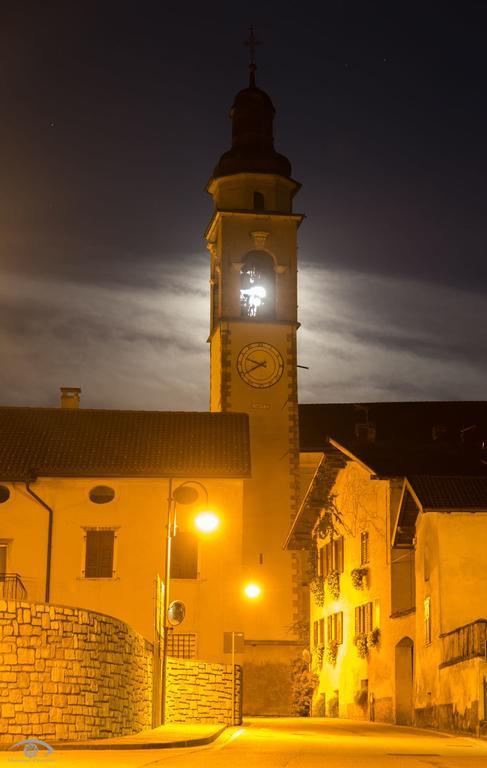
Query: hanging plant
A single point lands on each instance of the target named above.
(373, 637)
(325, 525)
(318, 657)
(333, 581)
(361, 641)
(317, 587)
(331, 652)
(359, 577)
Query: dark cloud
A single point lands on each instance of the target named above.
(112, 119)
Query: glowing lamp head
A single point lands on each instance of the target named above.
(207, 522)
(252, 591)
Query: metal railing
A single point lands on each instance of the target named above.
(11, 587)
(464, 643)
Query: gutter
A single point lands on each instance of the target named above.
(49, 536)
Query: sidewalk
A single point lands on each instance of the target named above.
(164, 737)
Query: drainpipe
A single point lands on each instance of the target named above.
(49, 536)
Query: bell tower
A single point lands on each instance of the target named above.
(252, 241)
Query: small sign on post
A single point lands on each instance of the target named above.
(233, 642)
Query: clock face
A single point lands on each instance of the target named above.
(260, 364)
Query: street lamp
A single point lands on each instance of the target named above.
(252, 591)
(206, 522)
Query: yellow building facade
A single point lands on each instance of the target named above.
(397, 618)
(87, 527)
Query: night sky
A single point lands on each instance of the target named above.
(113, 115)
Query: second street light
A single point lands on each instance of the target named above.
(206, 522)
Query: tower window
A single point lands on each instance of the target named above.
(259, 201)
(257, 281)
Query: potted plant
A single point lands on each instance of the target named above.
(317, 587)
(318, 652)
(333, 581)
(362, 645)
(373, 637)
(359, 577)
(331, 652)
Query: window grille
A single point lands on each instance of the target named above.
(181, 645)
(364, 547)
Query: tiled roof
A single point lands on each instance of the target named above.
(437, 494)
(63, 442)
(415, 422)
(436, 438)
(450, 493)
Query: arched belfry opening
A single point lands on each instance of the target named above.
(257, 286)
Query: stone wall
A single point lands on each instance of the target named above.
(68, 673)
(199, 692)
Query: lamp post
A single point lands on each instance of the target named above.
(206, 522)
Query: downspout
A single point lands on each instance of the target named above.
(49, 536)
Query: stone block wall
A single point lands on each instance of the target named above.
(199, 692)
(68, 673)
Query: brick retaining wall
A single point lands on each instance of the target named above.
(68, 673)
(200, 692)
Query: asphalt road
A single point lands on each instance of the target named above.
(292, 743)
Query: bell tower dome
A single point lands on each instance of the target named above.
(252, 239)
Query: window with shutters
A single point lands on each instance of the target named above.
(315, 633)
(364, 548)
(3, 559)
(363, 619)
(333, 556)
(321, 633)
(99, 551)
(335, 627)
(184, 556)
(321, 561)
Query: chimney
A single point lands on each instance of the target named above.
(70, 397)
(365, 431)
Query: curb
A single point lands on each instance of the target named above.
(93, 745)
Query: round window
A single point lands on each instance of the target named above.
(102, 494)
(4, 493)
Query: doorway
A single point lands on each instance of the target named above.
(404, 681)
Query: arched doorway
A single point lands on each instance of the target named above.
(404, 681)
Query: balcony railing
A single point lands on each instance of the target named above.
(464, 643)
(11, 587)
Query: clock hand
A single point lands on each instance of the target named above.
(263, 364)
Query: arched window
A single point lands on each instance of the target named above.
(257, 285)
(259, 201)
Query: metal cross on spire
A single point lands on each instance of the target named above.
(252, 44)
